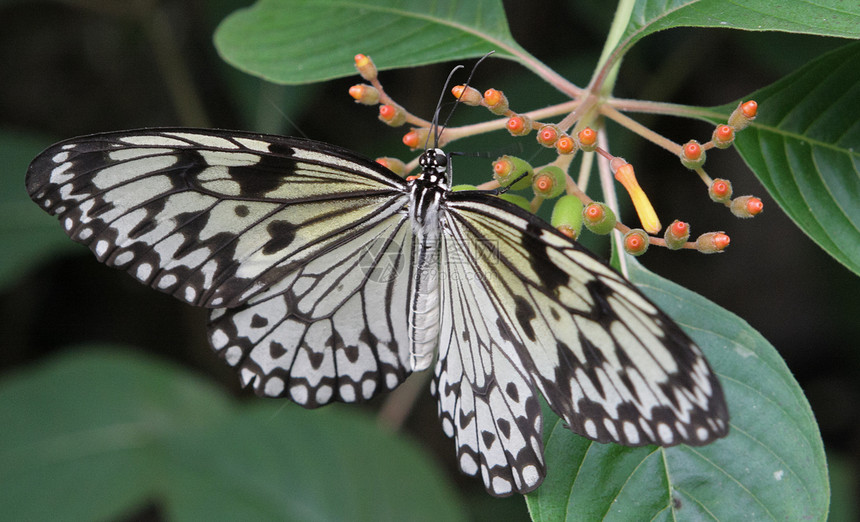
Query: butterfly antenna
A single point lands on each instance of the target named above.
(437, 132)
(468, 81)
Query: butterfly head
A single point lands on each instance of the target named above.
(434, 165)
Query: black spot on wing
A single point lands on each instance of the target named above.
(525, 313)
(549, 273)
(242, 210)
(282, 234)
(511, 390)
(276, 350)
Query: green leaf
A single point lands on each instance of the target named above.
(96, 434)
(804, 146)
(300, 41)
(825, 17)
(27, 235)
(771, 466)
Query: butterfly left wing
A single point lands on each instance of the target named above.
(211, 217)
(556, 319)
(270, 231)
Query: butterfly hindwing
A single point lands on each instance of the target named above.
(611, 364)
(486, 400)
(212, 217)
(334, 329)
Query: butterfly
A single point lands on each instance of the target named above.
(329, 278)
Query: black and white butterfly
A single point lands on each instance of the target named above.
(332, 279)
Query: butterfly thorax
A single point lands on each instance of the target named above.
(427, 191)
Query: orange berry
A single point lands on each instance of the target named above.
(692, 155)
(548, 135)
(749, 109)
(720, 190)
(636, 242)
(587, 139)
(565, 145)
(723, 136)
(519, 125)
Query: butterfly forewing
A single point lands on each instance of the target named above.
(210, 217)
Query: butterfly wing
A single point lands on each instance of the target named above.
(212, 217)
(278, 227)
(611, 364)
(334, 329)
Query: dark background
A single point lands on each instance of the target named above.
(75, 68)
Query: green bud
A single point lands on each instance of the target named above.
(567, 215)
(598, 218)
(508, 168)
(636, 242)
(549, 182)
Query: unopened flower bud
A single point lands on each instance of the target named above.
(519, 125)
(636, 242)
(712, 242)
(392, 115)
(692, 155)
(598, 218)
(365, 67)
(509, 168)
(549, 182)
(743, 115)
(676, 235)
(587, 139)
(496, 101)
(720, 190)
(723, 136)
(467, 95)
(567, 215)
(364, 94)
(746, 206)
(393, 164)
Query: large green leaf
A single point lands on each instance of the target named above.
(825, 17)
(805, 148)
(96, 434)
(299, 41)
(770, 467)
